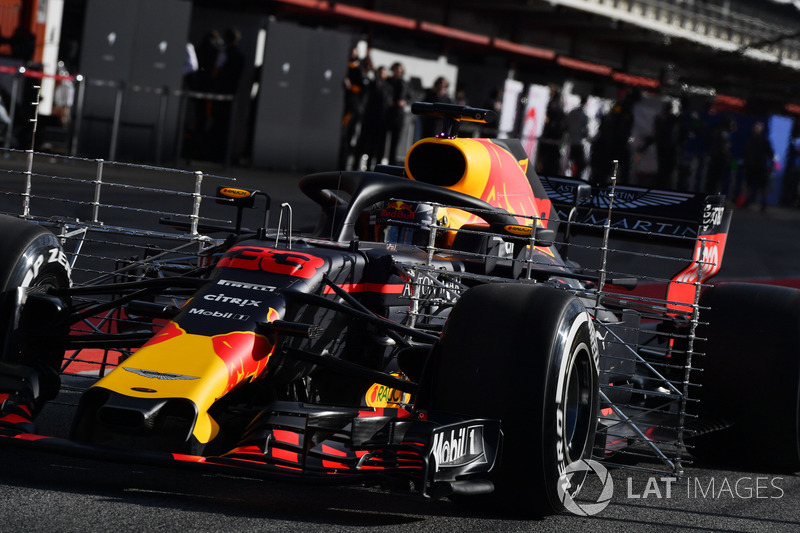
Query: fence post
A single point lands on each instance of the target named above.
(196, 199)
(12, 111)
(112, 151)
(162, 119)
(77, 122)
(231, 133)
(182, 97)
(98, 183)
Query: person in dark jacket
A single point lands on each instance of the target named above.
(757, 164)
(396, 115)
(372, 141)
(719, 157)
(431, 126)
(552, 139)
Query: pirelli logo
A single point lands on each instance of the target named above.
(248, 286)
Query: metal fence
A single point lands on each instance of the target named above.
(64, 136)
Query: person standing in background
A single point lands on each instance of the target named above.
(577, 129)
(552, 138)
(666, 133)
(355, 85)
(396, 115)
(719, 157)
(431, 126)
(372, 141)
(758, 156)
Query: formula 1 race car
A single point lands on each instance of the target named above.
(457, 327)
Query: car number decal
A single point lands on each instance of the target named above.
(275, 261)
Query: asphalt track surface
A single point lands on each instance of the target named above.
(56, 493)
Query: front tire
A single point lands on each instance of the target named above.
(32, 261)
(525, 354)
(32, 257)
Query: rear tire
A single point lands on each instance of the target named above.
(751, 376)
(525, 354)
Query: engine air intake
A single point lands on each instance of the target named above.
(436, 163)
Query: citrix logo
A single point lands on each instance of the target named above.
(241, 302)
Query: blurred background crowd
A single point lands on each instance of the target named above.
(659, 141)
(694, 95)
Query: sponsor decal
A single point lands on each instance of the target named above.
(519, 230)
(275, 261)
(241, 302)
(382, 396)
(565, 482)
(244, 353)
(53, 255)
(398, 209)
(712, 216)
(634, 198)
(429, 287)
(152, 374)
(625, 197)
(637, 224)
(218, 314)
(706, 262)
(232, 192)
(245, 285)
(456, 446)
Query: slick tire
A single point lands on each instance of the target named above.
(750, 376)
(33, 259)
(526, 355)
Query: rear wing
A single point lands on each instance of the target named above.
(648, 217)
(640, 210)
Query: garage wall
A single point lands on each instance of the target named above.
(301, 100)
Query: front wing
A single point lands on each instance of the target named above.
(333, 445)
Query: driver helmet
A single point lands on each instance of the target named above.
(404, 222)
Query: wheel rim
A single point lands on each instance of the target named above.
(578, 402)
(45, 282)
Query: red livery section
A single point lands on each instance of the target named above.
(284, 262)
(513, 195)
(381, 288)
(706, 262)
(169, 331)
(325, 449)
(246, 355)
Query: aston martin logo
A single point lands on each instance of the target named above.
(625, 197)
(152, 374)
(632, 197)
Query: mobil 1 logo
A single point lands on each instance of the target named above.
(457, 446)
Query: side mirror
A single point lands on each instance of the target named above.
(583, 193)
